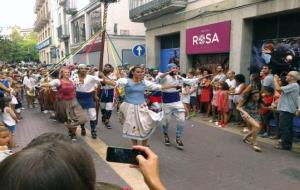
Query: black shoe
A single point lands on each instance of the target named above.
(83, 132)
(167, 139)
(275, 137)
(179, 143)
(107, 125)
(94, 134)
(280, 147)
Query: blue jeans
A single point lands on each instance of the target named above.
(178, 115)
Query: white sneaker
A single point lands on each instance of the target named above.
(45, 111)
(245, 130)
(216, 123)
(211, 121)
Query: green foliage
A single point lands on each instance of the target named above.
(17, 48)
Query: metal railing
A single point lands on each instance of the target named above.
(62, 32)
(38, 5)
(139, 8)
(41, 21)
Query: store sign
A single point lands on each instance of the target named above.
(44, 44)
(213, 38)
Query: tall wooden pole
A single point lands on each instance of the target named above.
(103, 36)
(102, 44)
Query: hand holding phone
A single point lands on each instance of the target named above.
(123, 155)
(149, 167)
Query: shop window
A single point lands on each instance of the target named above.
(277, 27)
(211, 61)
(79, 30)
(170, 41)
(95, 20)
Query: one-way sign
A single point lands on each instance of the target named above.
(138, 50)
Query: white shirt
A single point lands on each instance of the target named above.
(88, 85)
(176, 80)
(29, 82)
(219, 77)
(7, 118)
(111, 76)
(231, 84)
(5, 153)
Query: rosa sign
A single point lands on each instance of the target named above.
(213, 38)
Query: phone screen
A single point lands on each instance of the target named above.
(123, 155)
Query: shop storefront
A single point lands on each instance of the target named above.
(209, 45)
(276, 42)
(169, 50)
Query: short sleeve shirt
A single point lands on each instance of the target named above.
(288, 100)
(268, 81)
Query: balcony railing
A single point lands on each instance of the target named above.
(62, 33)
(142, 10)
(41, 21)
(61, 2)
(38, 5)
(71, 7)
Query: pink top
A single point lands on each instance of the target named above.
(66, 91)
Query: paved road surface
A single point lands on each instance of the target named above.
(213, 159)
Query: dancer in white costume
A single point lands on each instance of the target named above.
(172, 105)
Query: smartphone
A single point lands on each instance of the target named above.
(123, 155)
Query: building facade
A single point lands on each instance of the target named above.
(44, 27)
(123, 34)
(241, 35)
(64, 25)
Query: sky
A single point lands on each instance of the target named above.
(17, 12)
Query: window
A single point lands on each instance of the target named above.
(276, 27)
(124, 32)
(170, 41)
(78, 27)
(95, 20)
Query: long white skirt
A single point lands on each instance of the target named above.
(138, 121)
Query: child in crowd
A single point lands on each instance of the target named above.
(223, 104)
(4, 140)
(9, 119)
(214, 103)
(193, 96)
(249, 108)
(185, 98)
(265, 112)
(206, 93)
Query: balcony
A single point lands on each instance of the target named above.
(38, 5)
(63, 33)
(41, 21)
(71, 7)
(61, 2)
(141, 11)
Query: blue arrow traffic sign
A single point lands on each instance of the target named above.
(138, 50)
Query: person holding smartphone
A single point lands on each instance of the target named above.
(149, 167)
(72, 167)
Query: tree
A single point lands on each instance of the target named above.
(16, 48)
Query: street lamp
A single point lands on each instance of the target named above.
(106, 3)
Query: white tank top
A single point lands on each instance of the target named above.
(7, 119)
(236, 98)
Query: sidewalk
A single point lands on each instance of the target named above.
(35, 123)
(231, 128)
